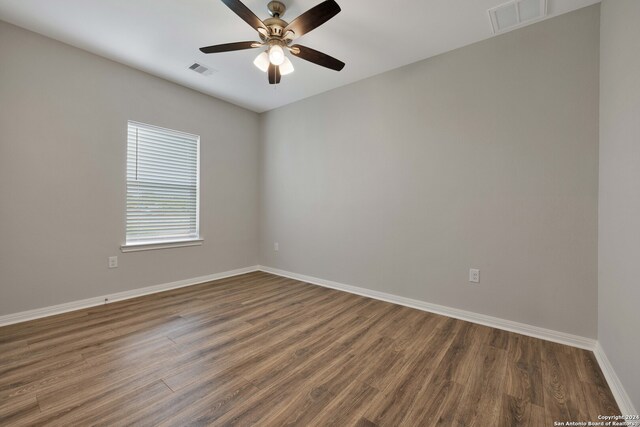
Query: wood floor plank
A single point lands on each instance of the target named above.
(104, 410)
(259, 349)
(599, 399)
(588, 369)
(524, 370)
(439, 405)
(346, 407)
(16, 409)
(200, 404)
(520, 412)
(106, 380)
(398, 397)
(211, 406)
(16, 376)
(31, 384)
(449, 382)
(12, 351)
(563, 394)
(303, 407)
(481, 404)
(363, 422)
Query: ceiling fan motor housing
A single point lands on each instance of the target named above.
(276, 26)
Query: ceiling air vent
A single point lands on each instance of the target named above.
(516, 13)
(202, 69)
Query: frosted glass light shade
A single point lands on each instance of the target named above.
(262, 62)
(276, 55)
(286, 67)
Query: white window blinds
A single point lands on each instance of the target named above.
(162, 185)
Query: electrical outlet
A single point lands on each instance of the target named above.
(276, 247)
(474, 275)
(113, 262)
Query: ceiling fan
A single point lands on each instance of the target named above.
(277, 35)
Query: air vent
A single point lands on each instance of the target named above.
(516, 13)
(202, 69)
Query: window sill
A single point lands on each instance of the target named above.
(136, 247)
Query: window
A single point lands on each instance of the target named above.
(162, 187)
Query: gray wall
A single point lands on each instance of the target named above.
(63, 130)
(619, 214)
(483, 157)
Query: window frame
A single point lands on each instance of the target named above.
(169, 242)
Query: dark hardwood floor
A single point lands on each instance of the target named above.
(265, 350)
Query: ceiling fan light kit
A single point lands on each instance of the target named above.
(278, 35)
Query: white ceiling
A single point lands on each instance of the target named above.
(162, 37)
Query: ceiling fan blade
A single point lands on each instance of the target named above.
(271, 74)
(313, 18)
(228, 47)
(245, 13)
(274, 74)
(316, 57)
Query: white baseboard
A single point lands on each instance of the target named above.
(494, 322)
(92, 302)
(619, 393)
